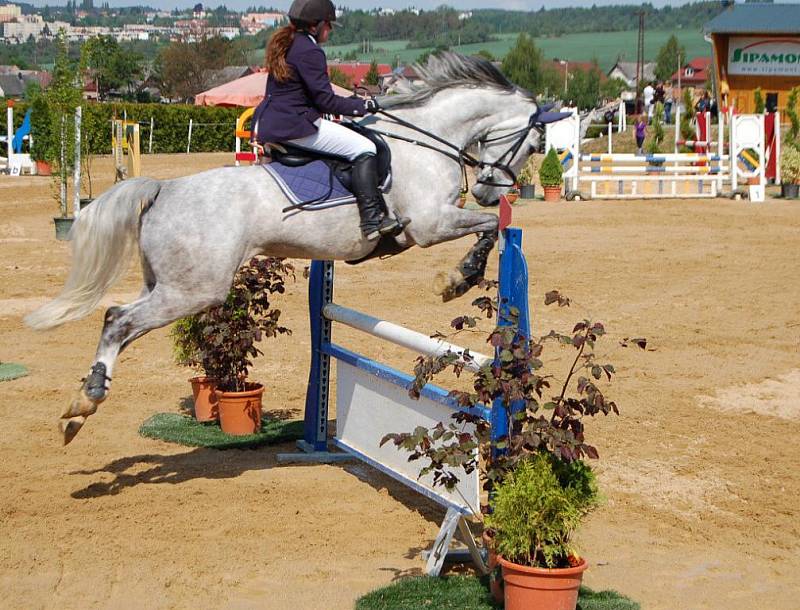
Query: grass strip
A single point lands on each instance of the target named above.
(467, 593)
(9, 371)
(185, 430)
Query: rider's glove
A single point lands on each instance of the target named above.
(371, 105)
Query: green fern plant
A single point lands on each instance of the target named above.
(758, 101)
(794, 120)
(538, 507)
(657, 128)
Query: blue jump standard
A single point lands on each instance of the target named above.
(512, 296)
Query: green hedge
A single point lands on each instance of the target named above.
(213, 129)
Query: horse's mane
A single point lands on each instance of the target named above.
(445, 70)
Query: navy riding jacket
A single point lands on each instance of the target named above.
(290, 108)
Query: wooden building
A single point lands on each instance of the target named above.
(755, 45)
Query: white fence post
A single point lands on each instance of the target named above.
(76, 175)
(189, 141)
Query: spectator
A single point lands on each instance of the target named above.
(640, 129)
(668, 101)
(648, 93)
(658, 96)
(704, 103)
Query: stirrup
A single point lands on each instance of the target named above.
(394, 226)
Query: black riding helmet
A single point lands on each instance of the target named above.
(312, 11)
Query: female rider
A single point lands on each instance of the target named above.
(299, 92)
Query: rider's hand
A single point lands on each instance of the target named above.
(371, 105)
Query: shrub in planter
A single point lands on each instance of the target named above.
(551, 176)
(525, 181)
(230, 333)
(538, 465)
(790, 172)
(187, 337)
(43, 149)
(536, 510)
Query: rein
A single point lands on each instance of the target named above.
(461, 156)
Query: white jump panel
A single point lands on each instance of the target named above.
(367, 407)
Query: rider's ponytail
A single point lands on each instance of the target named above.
(278, 47)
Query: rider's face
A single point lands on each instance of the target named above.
(323, 31)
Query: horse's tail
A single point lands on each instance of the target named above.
(103, 238)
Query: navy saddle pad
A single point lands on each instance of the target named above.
(313, 182)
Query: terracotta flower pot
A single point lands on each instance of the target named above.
(552, 193)
(240, 412)
(205, 399)
(43, 168)
(527, 587)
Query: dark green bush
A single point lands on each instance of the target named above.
(551, 172)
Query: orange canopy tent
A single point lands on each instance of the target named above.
(247, 92)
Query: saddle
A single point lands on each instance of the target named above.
(293, 156)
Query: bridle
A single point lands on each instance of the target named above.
(464, 158)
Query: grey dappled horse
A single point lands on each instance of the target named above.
(194, 232)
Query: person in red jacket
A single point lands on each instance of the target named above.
(299, 92)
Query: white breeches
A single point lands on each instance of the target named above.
(336, 139)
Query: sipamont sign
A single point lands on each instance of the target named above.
(764, 56)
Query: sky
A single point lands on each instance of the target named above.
(527, 5)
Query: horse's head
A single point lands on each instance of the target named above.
(504, 149)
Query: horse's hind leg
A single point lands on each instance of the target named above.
(123, 325)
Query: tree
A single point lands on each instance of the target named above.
(584, 87)
(339, 78)
(670, 57)
(111, 67)
(523, 64)
(612, 88)
(372, 77)
(182, 66)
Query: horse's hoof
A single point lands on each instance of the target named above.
(81, 405)
(450, 285)
(443, 282)
(70, 427)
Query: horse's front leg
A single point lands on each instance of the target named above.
(452, 223)
(469, 271)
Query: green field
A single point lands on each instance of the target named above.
(605, 46)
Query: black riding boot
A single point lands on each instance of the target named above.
(374, 218)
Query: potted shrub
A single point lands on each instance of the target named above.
(525, 181)
(536, 509)
(230, 332)
(187, 337)
(63, 97)
(551, 176)
(512, 194)
(538, 486)
(43, 146)
(790, 172)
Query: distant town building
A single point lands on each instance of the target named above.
(695, 74)
(23, 28)
(11, 85)
(356, 72)
(626, 71)
(255, 22)
(10, 12)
